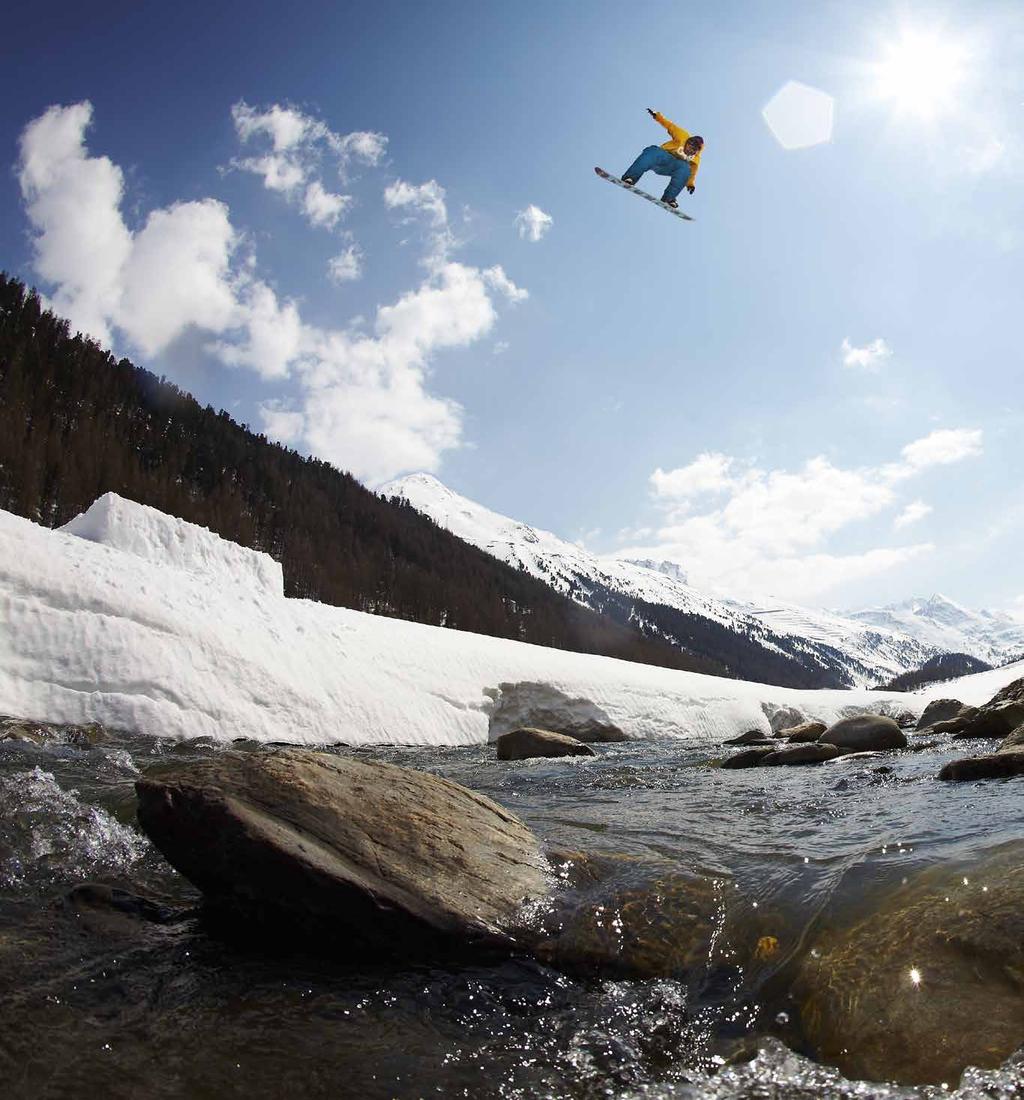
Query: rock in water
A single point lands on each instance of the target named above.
(806, 731)
(361, 853)
(750, 758)
(1013, 742)
(527, 743)
(939, 710)
(999, 765)
(864, 733)
(930, 982)
(992, 720)
(816, 753)
(751, 737)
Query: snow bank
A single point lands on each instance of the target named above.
(137, 630)
(143, 531)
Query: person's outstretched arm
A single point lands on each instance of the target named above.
(677, 132)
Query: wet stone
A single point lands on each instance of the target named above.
(998, 765)
(528, 744)
(931, 981)
(816, 753)
(864, 732)
(808, 731)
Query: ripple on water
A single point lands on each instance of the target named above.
(50, 835)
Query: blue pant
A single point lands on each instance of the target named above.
(661, 161)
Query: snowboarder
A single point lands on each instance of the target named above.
(679, 158)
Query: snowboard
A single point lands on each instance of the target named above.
(642, 194)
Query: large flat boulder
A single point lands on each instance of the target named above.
(364, 853)
(527, 744)
(929, 981)
(865, 733)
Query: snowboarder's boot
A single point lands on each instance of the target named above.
(629, 181)
(670, 202)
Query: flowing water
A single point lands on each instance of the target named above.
(96, 1001)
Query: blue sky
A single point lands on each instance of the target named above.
(814, 390)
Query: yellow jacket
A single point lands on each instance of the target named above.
(676, 143)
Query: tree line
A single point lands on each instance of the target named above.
(76, 423)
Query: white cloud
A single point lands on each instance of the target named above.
(496, 279)
(347, 266)
(427, 198)
(274, 335)
(299, 145)
(322, 207)
(533, 223)
(708, 473)
(941, 447)
(361, 400)
(152, 285)
(73, 202)
(870, 357)
(746, 530)
(914, 511)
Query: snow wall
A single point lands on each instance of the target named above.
(144, 622)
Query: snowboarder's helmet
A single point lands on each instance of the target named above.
(697, 140)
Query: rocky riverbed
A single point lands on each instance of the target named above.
(701, 932)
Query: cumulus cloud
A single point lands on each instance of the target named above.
(914, 511)
(152, 285)
(533, 223)
(365, 405)
(748, 530)
(869, 358)
(347, 266)
(361, 399)
(942, 447)
(297, 149)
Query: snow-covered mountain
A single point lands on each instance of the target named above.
(775, 640)
(991, 636)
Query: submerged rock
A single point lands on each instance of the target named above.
(998, 765)
(632, 919)
(939, 710)
(750, 758)
(526, 744)
(808, 731)
(816, 753)
(928, 983)
(865, 732)
(362, 853)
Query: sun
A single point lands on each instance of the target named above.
(921, 72)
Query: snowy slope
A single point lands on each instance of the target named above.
(992, 636)
(861, 652)
(162, 630)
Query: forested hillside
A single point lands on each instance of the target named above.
(76, 423)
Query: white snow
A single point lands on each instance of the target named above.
(150, 534)
(155, 625)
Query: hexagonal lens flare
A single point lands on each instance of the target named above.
(799, 115)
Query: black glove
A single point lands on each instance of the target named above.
(653, 114)
(690, 188)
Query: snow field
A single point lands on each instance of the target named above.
(145, 622)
